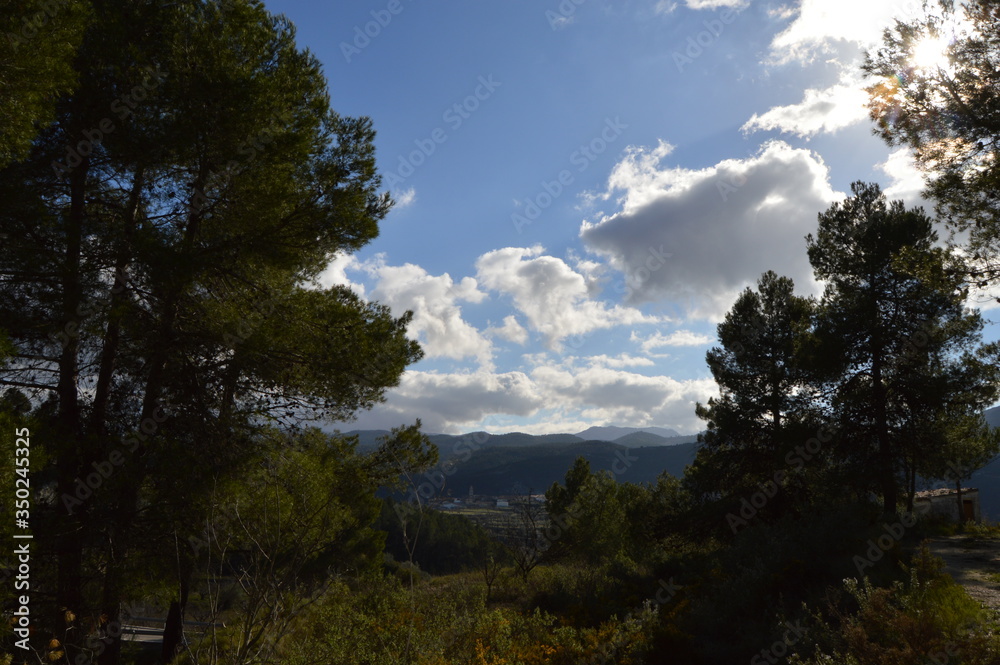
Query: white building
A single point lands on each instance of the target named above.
(945, 502)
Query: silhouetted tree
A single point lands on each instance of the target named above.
(766, 390)
(894, 336)
(948, 114)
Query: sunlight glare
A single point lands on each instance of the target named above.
(931, 53)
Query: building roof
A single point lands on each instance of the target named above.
(944, 491)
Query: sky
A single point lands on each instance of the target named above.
(583, 187)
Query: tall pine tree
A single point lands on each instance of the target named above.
(160, 239)
(895, 337)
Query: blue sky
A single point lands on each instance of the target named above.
(584, 186)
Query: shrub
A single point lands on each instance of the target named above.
(926, 619)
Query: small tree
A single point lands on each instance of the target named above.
(766, 390)
(522, 535)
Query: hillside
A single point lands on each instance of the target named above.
(615, 433)
(514, 470)
(987, 479)
(648, 439)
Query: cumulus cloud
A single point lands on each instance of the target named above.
(721, 227)
(336, 274)
(821, 110)
(437, 315)
(608, 395)
(906, 180)
(570, 397)
(621, 360)
(511, 330)
(552, 296)
(676, 338)
(821, 26)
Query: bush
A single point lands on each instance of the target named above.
(926, 619)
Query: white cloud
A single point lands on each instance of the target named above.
(614, 396)
(907, 182)
(665, 7)
(822, 26)
(571, 399)
(453, 402)
(406, 198)
(821, 110)
(716, 4)
(676, 338)
(721, 226)
(336, 274)
(554, 298)
(621, 360)
(437, 316)
(511, 330)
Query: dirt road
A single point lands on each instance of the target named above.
(975, 564)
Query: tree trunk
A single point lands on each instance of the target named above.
(961, 508)
(173, 633)
(112, 336)
(912, 487)
(887, 476)
(69, 536)
(128, 502)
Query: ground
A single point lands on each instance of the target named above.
(974, 563)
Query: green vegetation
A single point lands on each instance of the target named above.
(166, 351)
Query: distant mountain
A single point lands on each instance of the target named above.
(494, 470)
(369, 438)
(987, 479)
(510, 440)
(641, 440)
(646, 439)
(993, 416)
(615, 433)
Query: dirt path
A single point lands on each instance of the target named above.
(975, 564)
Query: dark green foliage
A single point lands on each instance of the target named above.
(159, 241)
(592, 518)
(515, 469)
(442, 543)
(899, 352)
(766, 385)
(38, 42)
(923, 618)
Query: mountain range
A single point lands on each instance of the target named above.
(515, 463)
(630, 437)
